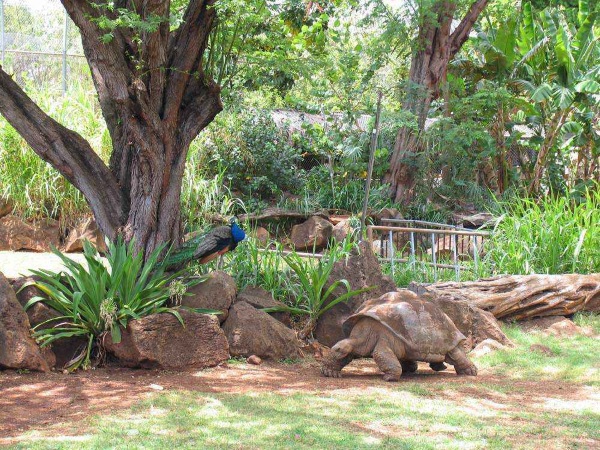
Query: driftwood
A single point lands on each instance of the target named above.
(519, 297)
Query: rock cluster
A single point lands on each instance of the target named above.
(158, 340)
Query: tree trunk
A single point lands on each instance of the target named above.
(552, 132)
(155, 98)
(436, 46)
(519, 297)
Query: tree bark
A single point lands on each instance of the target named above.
(519, 297)
(436, 46)
(155, 98)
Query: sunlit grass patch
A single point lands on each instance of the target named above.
(375, 418)
(574, 358)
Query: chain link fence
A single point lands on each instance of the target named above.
(40, 45)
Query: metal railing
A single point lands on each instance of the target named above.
(432, 244)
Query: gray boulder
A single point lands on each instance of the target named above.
(261, 298)
(361, 269)
(314, 233)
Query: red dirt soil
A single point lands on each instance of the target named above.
(37, 400)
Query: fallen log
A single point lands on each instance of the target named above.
(518, 297)
(278, 213)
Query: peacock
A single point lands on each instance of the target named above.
(208, 246)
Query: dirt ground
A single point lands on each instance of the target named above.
(35, 400)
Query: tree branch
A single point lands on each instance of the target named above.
(68, 152)
(201, 103)
(187, 47)
(461, 33)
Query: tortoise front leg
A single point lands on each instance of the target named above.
(387, 361)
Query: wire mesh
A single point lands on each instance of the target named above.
(40, 46)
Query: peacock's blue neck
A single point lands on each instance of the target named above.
(237, 233)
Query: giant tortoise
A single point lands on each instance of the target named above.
(398, 329)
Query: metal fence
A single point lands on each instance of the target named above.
(40, 46)
(438, 245)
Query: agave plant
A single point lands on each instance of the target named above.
(98, 297)
(313, 297)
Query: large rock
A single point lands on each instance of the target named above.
(217, 292)
(486, 326)
(254, 332)
(362, 270)
(60, 352)
(18, 235)
(160, 341)
(261, 234)
(17, 349)
(314, 233)
(341, 230)
(6, 206)
(25, 291)
(261, 298)
(87, 229)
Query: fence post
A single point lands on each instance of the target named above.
(475, 254)
(434, 256)
(391, 247)
(2, 28)
(64, 53)
(455, 257)
(413, 256)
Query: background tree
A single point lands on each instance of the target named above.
(436, 44)
(155, 97)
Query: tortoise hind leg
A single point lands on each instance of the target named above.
(437, 366)
(462, 364)
(387, 361)
(409, 366)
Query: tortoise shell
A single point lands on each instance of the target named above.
(426, 331)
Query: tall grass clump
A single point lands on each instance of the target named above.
(553, 235)
(36, 189)
(203, 199)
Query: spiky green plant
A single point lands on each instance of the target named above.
(313, 296)
(95, 299)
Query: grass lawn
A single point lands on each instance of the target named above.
(522, 399)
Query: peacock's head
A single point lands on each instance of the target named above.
(236, 232)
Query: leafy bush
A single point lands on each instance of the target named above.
(554, 235)
(255, 157)
(96, 298)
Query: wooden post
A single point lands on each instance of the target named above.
(374, 139)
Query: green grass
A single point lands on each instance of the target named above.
(574, 359)
(553, 235)
(394, 417)
(523, 404)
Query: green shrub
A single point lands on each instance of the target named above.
(255, 157)
(97, 298)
